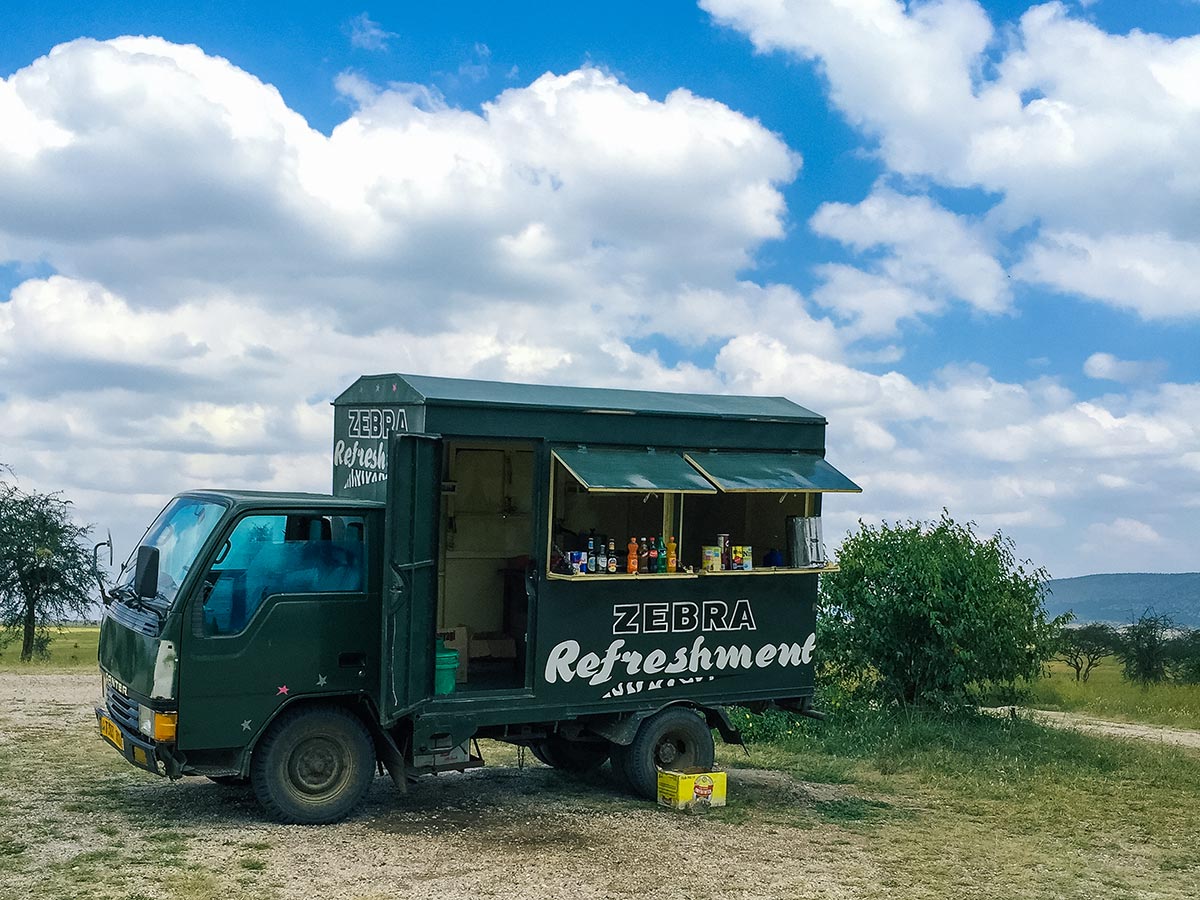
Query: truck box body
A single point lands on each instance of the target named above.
(492, 472)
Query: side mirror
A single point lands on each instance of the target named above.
(105, 597)
(145, 576)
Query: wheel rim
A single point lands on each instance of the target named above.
(317, 767)
(675, 750)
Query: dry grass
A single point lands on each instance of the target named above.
(1106, 696)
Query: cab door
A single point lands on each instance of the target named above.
(287, 609)
(410, 579)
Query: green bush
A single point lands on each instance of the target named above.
(921, 613)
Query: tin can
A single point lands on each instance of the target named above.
(578, 560)
(741, 557)
(710, 559)
(723, 543)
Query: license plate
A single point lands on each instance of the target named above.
(111, 733)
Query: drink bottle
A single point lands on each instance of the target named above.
(643, 557)
(631, 558)
(652, 562)
(601, 559)
(612, 557)
(672, 560)
(662, 556)
(591, 563)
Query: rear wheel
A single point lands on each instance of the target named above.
(571, 756)
(313, 766)
(675, 739)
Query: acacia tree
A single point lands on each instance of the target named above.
(920, 612)
(1144, 649)
(46, 569)
(1084, 647)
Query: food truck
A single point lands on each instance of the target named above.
(445, 592)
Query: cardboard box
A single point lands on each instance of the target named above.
(458, 638)
(691, 788)
(493, 644)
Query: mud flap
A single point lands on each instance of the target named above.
(389, 754)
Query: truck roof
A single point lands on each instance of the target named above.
(282, 498)
(432, 391)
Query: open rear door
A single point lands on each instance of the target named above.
(410, 596)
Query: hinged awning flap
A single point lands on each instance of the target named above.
(771, 472)
(601, 469)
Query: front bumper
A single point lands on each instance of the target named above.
(133, 746)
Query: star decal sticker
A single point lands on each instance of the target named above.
(246, 725)
(322, 681)
(283, 689)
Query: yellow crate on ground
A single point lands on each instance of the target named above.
(691, 788)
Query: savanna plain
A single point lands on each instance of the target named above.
(865, 805)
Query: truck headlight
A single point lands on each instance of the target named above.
(157, 725)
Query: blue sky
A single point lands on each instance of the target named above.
(966, 232)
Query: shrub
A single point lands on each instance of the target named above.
(920, 612)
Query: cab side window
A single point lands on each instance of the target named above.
(282, 554)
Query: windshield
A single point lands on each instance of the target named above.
(179, 532)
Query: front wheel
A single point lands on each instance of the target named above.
(675, 739)
(313, 766)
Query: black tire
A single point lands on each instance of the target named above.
(314, 765)
(571, 756)
(229, 780)
(676, 738)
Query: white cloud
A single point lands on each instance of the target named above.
(368, 35)
(931, 257)
(1088, 136)
(929, 248)
(1108, 367)
(1118, 533)
(572, 190)
(1152, 274)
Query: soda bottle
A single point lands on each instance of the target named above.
(643, 557)
(631, 558)
(601, 558)
(591, 563)
(672, 561)
(652, 563)
(612, 557)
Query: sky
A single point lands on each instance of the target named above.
(966, 233)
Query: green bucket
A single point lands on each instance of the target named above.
(445, 669)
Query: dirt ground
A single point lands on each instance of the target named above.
(81, 822)
(1156, 734)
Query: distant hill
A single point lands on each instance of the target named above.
(1124, 597)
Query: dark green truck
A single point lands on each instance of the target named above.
(290, 640)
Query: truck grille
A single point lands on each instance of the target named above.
(121, 708)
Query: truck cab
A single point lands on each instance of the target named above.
(293, 641)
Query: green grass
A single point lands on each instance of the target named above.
(1105, 695)
(977, 806)
(72, 649)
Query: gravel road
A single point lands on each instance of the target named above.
(82, 818)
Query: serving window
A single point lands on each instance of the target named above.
(727, 512)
